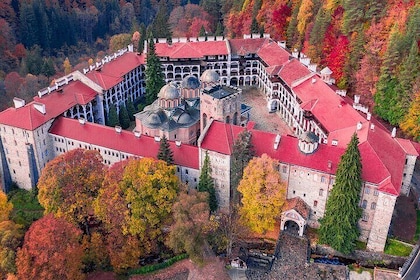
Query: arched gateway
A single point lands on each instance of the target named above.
(295, 212)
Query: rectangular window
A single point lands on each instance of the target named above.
(284, 169)
(367, 190)
(315, 203)
(375, 192)
(321, 192)
(186, 171)
(373, 206)
(364, 204)
(365, 217)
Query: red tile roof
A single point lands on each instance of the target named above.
(330, 109)
(297, 204)
(56, 103)
(191, 49)
(111, 73)
(246, 46)
(273, 54)
(383, 170)
(107, 137)
(408, 146)
(292, 71)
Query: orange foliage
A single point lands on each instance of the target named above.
(51, 250)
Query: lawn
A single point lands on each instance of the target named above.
(417, 234)
(397, 248)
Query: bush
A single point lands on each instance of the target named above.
(153, 267)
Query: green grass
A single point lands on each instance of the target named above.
(153, 267)
(396, 248)
(417, 234)
(26, 208)
(360, 245)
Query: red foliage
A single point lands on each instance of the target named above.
(20, 51)
(51, 250)
(280, 19)
(12, 83)
(337, 58)
(196, 25)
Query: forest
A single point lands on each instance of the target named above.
(372, 46)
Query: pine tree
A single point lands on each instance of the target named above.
(165, 153)
(202, 32)
(219, 29)
(160, 25)
(243, 152)
(339, 227)
(113, 116)
(48, 68)
(124, 117)
(154, 75)
(254, 26)
(206, 183)
(131, 110)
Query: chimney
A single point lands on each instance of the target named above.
(313, 80)
(359, 126)
(295, 53)
(137, 134)
(130, 48)
(372, 126)
(82, 121)
(40, 107)
(118, 129)
(368, 116)
(277, 142)
(178, 143)
(157, 138)
(282, 44)
(18, 102)
(394, 132)
(357, 99)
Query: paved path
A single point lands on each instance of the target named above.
(259, 113)
(413, 272)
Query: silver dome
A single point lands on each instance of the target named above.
(210, 76)
(190, 82)
(169, 91)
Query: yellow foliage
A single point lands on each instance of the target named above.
(119, 41)
(305, 12)
(411, 122)
(67, 66)
(263, 194)
(5, 207)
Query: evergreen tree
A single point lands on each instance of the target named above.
(160, 25)
(243, 152)
(219, 29)
(339, 227)
(143, 37)
(47, 68)
(206, 183)
(165, 153)
(202, 32)
(124, 117)
(113, 116)
(154, 75)
(254, 26)
(131, 110)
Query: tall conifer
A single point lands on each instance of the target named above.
(154, 76)
(113, 116)
(206, 183)
(339, 227)
(165, 153)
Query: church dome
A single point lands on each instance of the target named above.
(184, 118)
(309, 137)
(169, 91)
(154, 119)
(190, 82)
(210, 76)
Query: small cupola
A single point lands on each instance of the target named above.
(308, 142)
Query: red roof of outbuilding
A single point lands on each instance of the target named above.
(56, 103)
(107, 137)
(112, 72)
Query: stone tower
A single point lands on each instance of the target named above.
(217, 102)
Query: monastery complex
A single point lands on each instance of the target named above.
(200, 110)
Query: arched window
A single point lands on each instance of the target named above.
(321, 192)
(364, 204)
(315, 203)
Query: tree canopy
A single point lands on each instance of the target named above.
(154, 75)
(263, 194)
(339, 227)
(206, 183)
(69, 184)
(51, 250)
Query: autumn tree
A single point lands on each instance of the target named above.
(206, 183)
(5, 207)
(411, 122)
(154, 76)
(339, 227)
(242, 152)
(227, 230)
(69, 184)
(67, 66)
(191, 217)
(51, 250)
(113, 119)
(119, 41)
(165, 153)
(11, 237)
(263, 194)
(134, 204)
